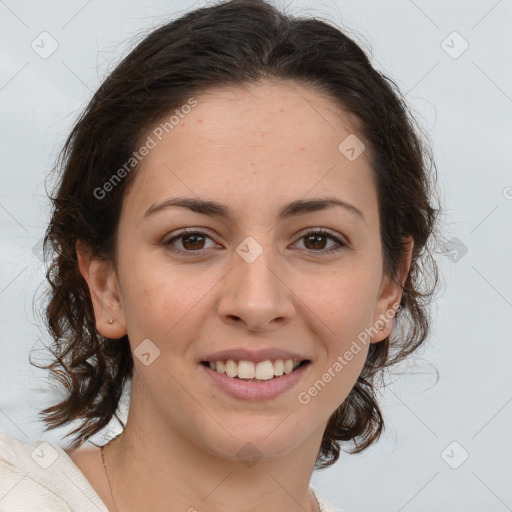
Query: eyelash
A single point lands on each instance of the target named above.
(318, 231)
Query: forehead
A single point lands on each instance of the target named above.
(266, 141)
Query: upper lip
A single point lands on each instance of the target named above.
(255, 356)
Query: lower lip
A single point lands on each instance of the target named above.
(239, 388)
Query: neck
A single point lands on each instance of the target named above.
(151, 471)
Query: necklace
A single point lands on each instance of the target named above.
(108, 479)
(112, 493)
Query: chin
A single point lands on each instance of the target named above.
(252, 439)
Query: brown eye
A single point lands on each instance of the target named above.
(314, 241)
(317, 240)
(190, 241)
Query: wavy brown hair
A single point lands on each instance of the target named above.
(230, 43)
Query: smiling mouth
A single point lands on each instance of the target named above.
(250, 371)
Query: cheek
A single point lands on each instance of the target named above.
(344, 302)
(329, 387)
(159, 301)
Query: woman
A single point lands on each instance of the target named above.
(240, 230)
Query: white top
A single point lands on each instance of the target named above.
(41, 476)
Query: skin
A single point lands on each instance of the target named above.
(253, 149)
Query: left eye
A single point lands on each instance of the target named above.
(312, 238)
(194, 241)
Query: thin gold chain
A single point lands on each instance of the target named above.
(108, 479)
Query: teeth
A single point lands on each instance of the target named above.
(246, 370)
(288, 366)
(231, 368)
(264, 370)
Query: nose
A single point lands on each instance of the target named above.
(256, 294)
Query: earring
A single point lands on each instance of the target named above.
(110, 321)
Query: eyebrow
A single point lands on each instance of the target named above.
(215, 209)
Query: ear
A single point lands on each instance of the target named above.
(390, 295)
(104, 288)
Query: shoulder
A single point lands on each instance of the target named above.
(325, 506)
(40, 476)
(19, 490)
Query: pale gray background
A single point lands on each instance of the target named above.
(465, 103)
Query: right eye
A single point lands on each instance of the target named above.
(191, 241)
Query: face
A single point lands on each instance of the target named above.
(265, 279)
